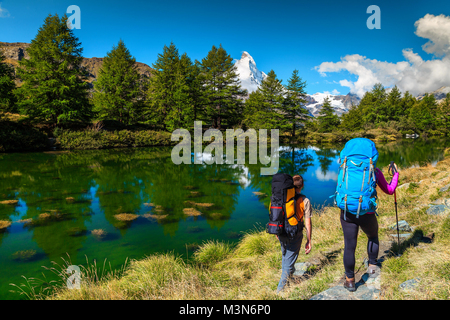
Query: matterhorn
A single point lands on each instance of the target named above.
(249, 74)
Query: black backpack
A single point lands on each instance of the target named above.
(282, 213)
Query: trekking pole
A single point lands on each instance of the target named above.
(392, 170)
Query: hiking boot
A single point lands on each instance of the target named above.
(349, 284)
(373, 271)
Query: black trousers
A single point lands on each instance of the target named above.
(350, 226)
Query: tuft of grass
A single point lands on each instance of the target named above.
(4, 224)
(99, 233)
(255, 243)
(211, 252)
(45, 216)
(166, 276)
(92, 277)
(191, 212)
(155, 216)
(126, 216)
(9, 202)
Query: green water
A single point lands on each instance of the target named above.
(63, 196)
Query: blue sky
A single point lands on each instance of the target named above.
(280, 35)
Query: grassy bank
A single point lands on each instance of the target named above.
(16, 135)
(92, 138)
(19, 137)
(251, 268)
(342, 136)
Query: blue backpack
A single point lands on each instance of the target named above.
(356, 185)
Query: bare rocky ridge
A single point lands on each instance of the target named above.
(16, 51)
(439, 94)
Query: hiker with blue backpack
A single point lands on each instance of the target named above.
(356, 197)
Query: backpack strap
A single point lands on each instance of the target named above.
(344, 165)
(364, 177)
(345, 208)
(371, 170)
(359, 207)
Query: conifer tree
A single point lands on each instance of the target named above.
(192, 71)
(380, 107)
(407, 103)
(255, 115)
(405, 123)
(117, 94)
(394, 104)
(294, 100)
(424, 112)
(444, 112)
(7, 86)
(170, 95)
(373, 105)
(352, 120)
(328, 121)
(222, 90)
(53, 87)
(263, 109)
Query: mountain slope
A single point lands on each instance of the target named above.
(340, 103)
(439, 94)
(14, 52)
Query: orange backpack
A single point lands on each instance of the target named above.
(283, 216)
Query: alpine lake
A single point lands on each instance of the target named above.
(110, 206)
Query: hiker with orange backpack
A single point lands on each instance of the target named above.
(290, 212)
(356, 197)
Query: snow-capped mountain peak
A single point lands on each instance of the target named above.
(251, 78)
(249, 74)
(340, 103)
(246, 55)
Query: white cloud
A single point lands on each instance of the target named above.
(330, 175)
(414, 75)
(335, 92)
(437, 30)
(4, 13)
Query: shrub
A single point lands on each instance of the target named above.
(19, 137)
(94, 139)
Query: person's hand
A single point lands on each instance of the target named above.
(392, 168)
(308, 247)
